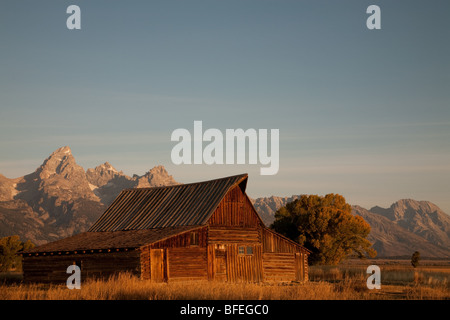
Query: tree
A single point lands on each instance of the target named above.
(9, 247)
(415, 259)
(326, 226)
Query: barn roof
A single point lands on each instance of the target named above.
(161, 207)
(110, 240)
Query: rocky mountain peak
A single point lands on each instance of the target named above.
(407, 209)
(103, 168)
(60, 154)
(7, 188)
(106, 182)
(158, 171)
(420, 217)
(158, 168)
(65, 150)
(396, 238)
(60, 162)
(59, 177)
(156, 177)
(422, 207)
(108, 167)
(102, 174)
(267, 206)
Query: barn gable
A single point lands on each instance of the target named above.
(236, 210)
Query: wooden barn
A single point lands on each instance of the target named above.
(199, 231)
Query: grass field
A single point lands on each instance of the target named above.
(343, 282)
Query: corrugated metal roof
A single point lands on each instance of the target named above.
(110, 239)
(161, 207)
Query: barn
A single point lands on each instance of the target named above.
(199, 231)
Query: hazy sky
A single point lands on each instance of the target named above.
(363, 113)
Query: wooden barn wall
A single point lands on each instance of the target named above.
(283, 259)
(145, 263)
(301, 260)
(233, 235)
(180, 259)
(234, 223)
(235, 209)
(180, 240)
(217, 267)
(279, 266)
(243, 267)
(275, 243)
(94, 265)
(187, 264)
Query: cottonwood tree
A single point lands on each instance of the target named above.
(326, 226)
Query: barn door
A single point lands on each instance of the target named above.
(157, 265)
(220, 263)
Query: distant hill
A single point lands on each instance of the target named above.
(390, 238)
(422, 218)
(267, 206)
(408, 225)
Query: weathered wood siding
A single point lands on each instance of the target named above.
(272, 242)
(233, 224)
(187, 264)
(180, 259)
(244, 267)
(93, 265)
(145, 264)
(279, 266)
(235, 209)
(217, 262)
(158, 269)
(301, 264)
(283, 260)
(233, 235)
(180, 240)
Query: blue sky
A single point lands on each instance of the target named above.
(363, 113)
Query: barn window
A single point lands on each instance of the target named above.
(241, 250)
(194, 238)
(249, 250)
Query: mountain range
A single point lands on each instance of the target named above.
(60, 199)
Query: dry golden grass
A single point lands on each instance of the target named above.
(127, 287)
(344, 282)
(399, 280)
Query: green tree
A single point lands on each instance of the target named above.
(415, 258)
(9, 248)
(326, 226)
